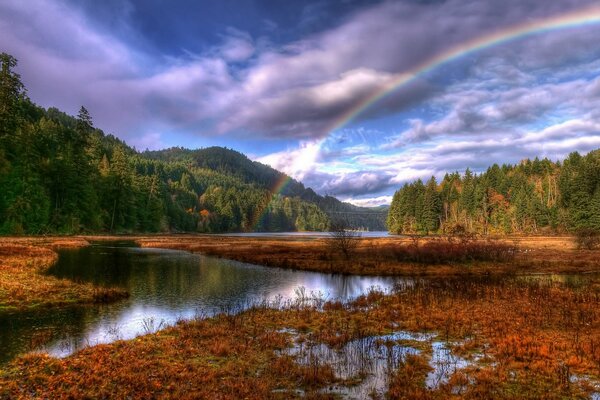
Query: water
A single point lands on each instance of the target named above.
(165, 286)
(367, 363)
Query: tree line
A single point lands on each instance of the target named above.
(533, 196)
(60, 174)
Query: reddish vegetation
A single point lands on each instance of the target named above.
(24, 286)
(535, 336)
(395, 256)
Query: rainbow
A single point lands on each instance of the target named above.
(587, 16)
(279, 186)
(583, 17)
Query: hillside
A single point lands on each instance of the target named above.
(233, 163)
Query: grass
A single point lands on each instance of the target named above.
(396, 256)
(527, 338)
(538, 339)
(23, 284)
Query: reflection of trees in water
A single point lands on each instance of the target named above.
(352, 286)
(103, 266)
(176, 279)
(28, 331)
(169, 281)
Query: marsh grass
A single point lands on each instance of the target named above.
(24, 284)
(420, 256)
(536, 338)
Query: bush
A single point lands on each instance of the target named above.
(440, 251)
(587, 238)
(342, 239)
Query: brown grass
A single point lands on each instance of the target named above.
(538, 338)
(395, 256)
(23, 284)
(535, 335)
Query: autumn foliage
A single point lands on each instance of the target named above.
(525, 338)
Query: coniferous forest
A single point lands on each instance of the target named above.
(531, 197)
(61, 174)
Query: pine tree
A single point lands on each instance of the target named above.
(430, 215)
(12, 95)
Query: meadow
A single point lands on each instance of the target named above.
(504, 328)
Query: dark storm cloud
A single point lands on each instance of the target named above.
(297, 90)
(352, 184)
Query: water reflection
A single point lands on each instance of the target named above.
(165, 286)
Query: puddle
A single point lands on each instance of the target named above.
(589, 382)
(364, 365)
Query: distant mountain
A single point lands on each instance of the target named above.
(60, 174)
(234, 163)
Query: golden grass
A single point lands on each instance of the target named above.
(538, 339)
(23, 284)
(535, 338)
(377, 256)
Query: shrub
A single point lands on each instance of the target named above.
(342, 239)
(587, 238)
(449, 250)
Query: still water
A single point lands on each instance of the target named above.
(165, 286)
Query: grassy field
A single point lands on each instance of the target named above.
(394, 256)
(521, 339)
(23, 284)
(515, 337)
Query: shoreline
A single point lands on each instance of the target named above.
(517, 339)
(376, 256)
(25, 286)
(524, 338)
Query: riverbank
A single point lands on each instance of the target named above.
(508, 338)
(24, 286)
(388, 256)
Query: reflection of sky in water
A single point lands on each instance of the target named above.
(165, 286)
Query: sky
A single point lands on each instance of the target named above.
(281, 80)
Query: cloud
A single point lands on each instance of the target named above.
(353, 183)
(502, 111)
(297, 163)
(238, 46)
(301, 89)
(150, 141)
(67, 65)
(370, 201)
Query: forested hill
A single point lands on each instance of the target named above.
(231, 162)
(60, 174)
(532, 196)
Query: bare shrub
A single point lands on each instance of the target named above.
(450, 250)
(343, 239)
(587, 238)
(458, 233)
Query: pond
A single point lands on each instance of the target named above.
(165, 286)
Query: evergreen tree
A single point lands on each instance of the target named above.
(431, 207)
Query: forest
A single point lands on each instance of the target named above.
(60, 174)
(531, 197)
